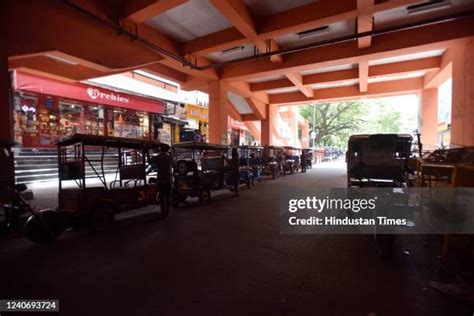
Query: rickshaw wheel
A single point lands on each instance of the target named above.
(204, 196)
(44, 227)
(102, 218)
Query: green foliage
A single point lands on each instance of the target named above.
(335, 122)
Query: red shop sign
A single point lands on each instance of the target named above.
(83, 92)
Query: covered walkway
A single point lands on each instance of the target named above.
(228, 258)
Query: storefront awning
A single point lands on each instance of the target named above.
(82, 92)
(173, 120)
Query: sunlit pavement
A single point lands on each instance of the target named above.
(226, 258)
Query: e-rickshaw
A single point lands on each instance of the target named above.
(379, 160)
(272, 161)
(200, 168)
(95, 203)
(250, 164)
(291, 160)
(309, 158)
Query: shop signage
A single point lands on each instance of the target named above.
(197, 113)
(96, 94)
(83, 92)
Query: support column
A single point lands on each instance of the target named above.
(429, 118)
(462, 108)
(218, 113)
(7, 171)
(268, 125)
(293, 122)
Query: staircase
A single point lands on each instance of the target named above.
(35, 165)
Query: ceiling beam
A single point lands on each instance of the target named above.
(397, 68)
(299, 19)
(256, 100)
(364, 22)
(363, 75)
(234, 114)
(154, 36)
(237, 13)
(258, 108)
(435, 78)
(351, 92)
(253, 129)
(404, 67)
(92, 44)
(166, 72)
(435, 36)
(250, 117)
(140, 11)
(297, 80)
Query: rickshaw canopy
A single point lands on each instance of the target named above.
(109, 141)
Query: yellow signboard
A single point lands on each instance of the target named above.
(196, 112)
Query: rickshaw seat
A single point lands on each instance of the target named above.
(132, 172)
(216, 163)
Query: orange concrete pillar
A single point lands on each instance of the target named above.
(293, 122)
(218, 113)
(268, 125)
(429, 118)
(462, 108)
(305, 134)
(7, 171)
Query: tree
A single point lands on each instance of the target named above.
(335, 122)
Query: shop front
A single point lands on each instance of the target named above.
(239, 134)
(46, 110)
(198, 123)
(167, 126)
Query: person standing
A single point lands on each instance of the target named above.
(303, 161)
(164, 165)
(234, 170)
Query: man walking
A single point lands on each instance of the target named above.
(164, 164)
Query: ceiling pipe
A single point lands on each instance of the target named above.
(134, 36)
(344, 39)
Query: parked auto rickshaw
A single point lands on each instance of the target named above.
(200, 168)
(272, 161)
(375, 160)
(291, 160)
(250, 164)
(95, 203)
(309, 158)
(379, 160)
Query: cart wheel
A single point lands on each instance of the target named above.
(182, 167)
(44, 227)
(204, 196)
(102, 218)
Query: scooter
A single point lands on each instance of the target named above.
(43, 226)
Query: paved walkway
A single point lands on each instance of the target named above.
(227, 258)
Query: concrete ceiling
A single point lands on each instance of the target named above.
(267, 7)
(206, 32)
(188, 21)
